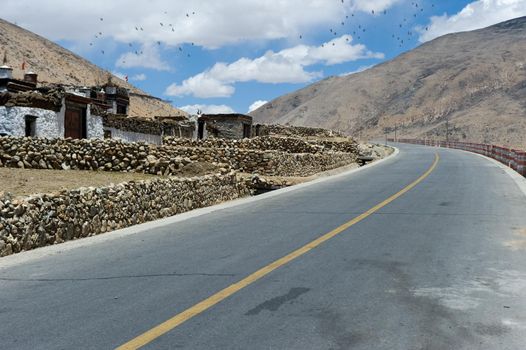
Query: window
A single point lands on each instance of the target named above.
(121, 109)
(107, 134)
(31, 126)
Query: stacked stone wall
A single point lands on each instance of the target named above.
(269, 143)
(46, 219)
(115, 155)
(289, 130)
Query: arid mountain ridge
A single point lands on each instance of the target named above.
(472, 84)
(55, 64)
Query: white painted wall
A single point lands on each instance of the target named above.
(49, 124)
(95, 129)
(129, 136)
(12, 121)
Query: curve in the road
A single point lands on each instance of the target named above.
(207, 303)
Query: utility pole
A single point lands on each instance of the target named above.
(447, 133)
(396, 127)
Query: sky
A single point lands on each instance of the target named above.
(235, 55)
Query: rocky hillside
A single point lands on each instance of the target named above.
(54, 64)
(474, 80)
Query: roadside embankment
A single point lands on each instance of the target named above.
(46, 219)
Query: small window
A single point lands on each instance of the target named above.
(121, 109)
(31, 126)
(107, 134)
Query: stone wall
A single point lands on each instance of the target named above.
(115, 155)
(94, 127)
(269, 143)
(144, 130)
(275, 163)
(94, 154)
(130, 136)
(289, 130)
(224, 129)
(51, 99)
(12, 121)
(46, 219)
(48, 123)
(135, 125)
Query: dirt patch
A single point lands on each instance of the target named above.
(23, 182)
(197, 169)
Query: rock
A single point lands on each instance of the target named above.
(151, 159)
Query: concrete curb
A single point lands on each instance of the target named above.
(30, 255)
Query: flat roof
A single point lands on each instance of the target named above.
(231, 116)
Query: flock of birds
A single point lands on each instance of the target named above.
(135, 47)
(402, 33)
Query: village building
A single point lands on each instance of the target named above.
(226, 126)
(59, 111)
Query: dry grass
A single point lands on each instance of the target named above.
(23, 182)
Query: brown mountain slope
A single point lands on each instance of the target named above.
(55, 64)
(475, 80)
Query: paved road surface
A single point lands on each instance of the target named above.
(441, 267)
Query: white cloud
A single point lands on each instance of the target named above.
(148, 56)
(478, 14)
(139, 77)
(286, 66)
(256, 105)
(215, 23)
(201, 86)
(207, 109)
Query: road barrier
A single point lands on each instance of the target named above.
(515, 159)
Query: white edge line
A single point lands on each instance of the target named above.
(34, 254)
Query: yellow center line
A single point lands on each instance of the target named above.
(207, 303)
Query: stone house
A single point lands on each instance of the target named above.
(60, 111)
(226, 126)
(51, 112)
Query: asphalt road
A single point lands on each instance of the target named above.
(441, 267)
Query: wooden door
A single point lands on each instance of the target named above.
(73, 124)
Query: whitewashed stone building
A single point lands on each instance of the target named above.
(77, 112)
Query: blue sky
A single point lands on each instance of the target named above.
(223, 56)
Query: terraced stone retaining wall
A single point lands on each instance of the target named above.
(114, 155)
(269, 143)
(88, 154)
(289, 130)
(46, 219)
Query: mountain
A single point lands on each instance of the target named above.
(472, 84)
(55, 64)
